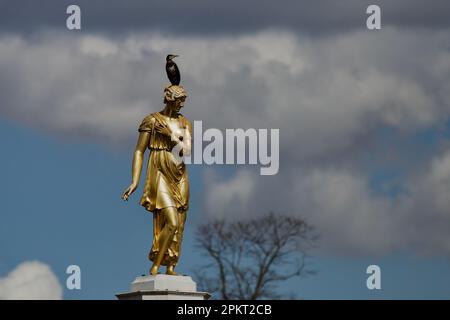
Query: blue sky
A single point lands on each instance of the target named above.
(61, 205)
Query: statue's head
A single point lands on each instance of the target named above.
(174, 97)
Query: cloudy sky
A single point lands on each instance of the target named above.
(364, 135)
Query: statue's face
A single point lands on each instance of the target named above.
(177, 104)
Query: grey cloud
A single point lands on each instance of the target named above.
(331, 97)
(325, 94)
(77, 87)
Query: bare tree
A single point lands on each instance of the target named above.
(248, 259)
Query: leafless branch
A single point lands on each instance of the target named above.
(247, 259)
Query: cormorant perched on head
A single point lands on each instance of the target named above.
(172, 70)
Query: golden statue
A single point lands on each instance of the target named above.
(167, 134)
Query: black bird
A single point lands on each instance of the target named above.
(172, 70)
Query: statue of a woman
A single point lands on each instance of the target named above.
(166, 191)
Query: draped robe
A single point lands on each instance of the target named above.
(166, 182)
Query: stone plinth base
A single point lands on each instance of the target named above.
(163, 287)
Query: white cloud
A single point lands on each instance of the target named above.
(346, 215)
(229, 197)
(429, 207)
(31, 280)
(324, 93)
(349, 216)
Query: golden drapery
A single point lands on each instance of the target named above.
(166, 184)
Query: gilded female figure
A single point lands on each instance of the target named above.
(166, 190)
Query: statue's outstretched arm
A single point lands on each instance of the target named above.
(138, 160)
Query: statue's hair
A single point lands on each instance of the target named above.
(172, 92)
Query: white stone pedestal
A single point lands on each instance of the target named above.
(163, 287)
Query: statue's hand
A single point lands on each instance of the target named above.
(129, 191)
(163, 129)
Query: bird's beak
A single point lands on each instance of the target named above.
(175, 55)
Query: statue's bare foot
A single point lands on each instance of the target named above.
(170, 271)
(154, 270)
